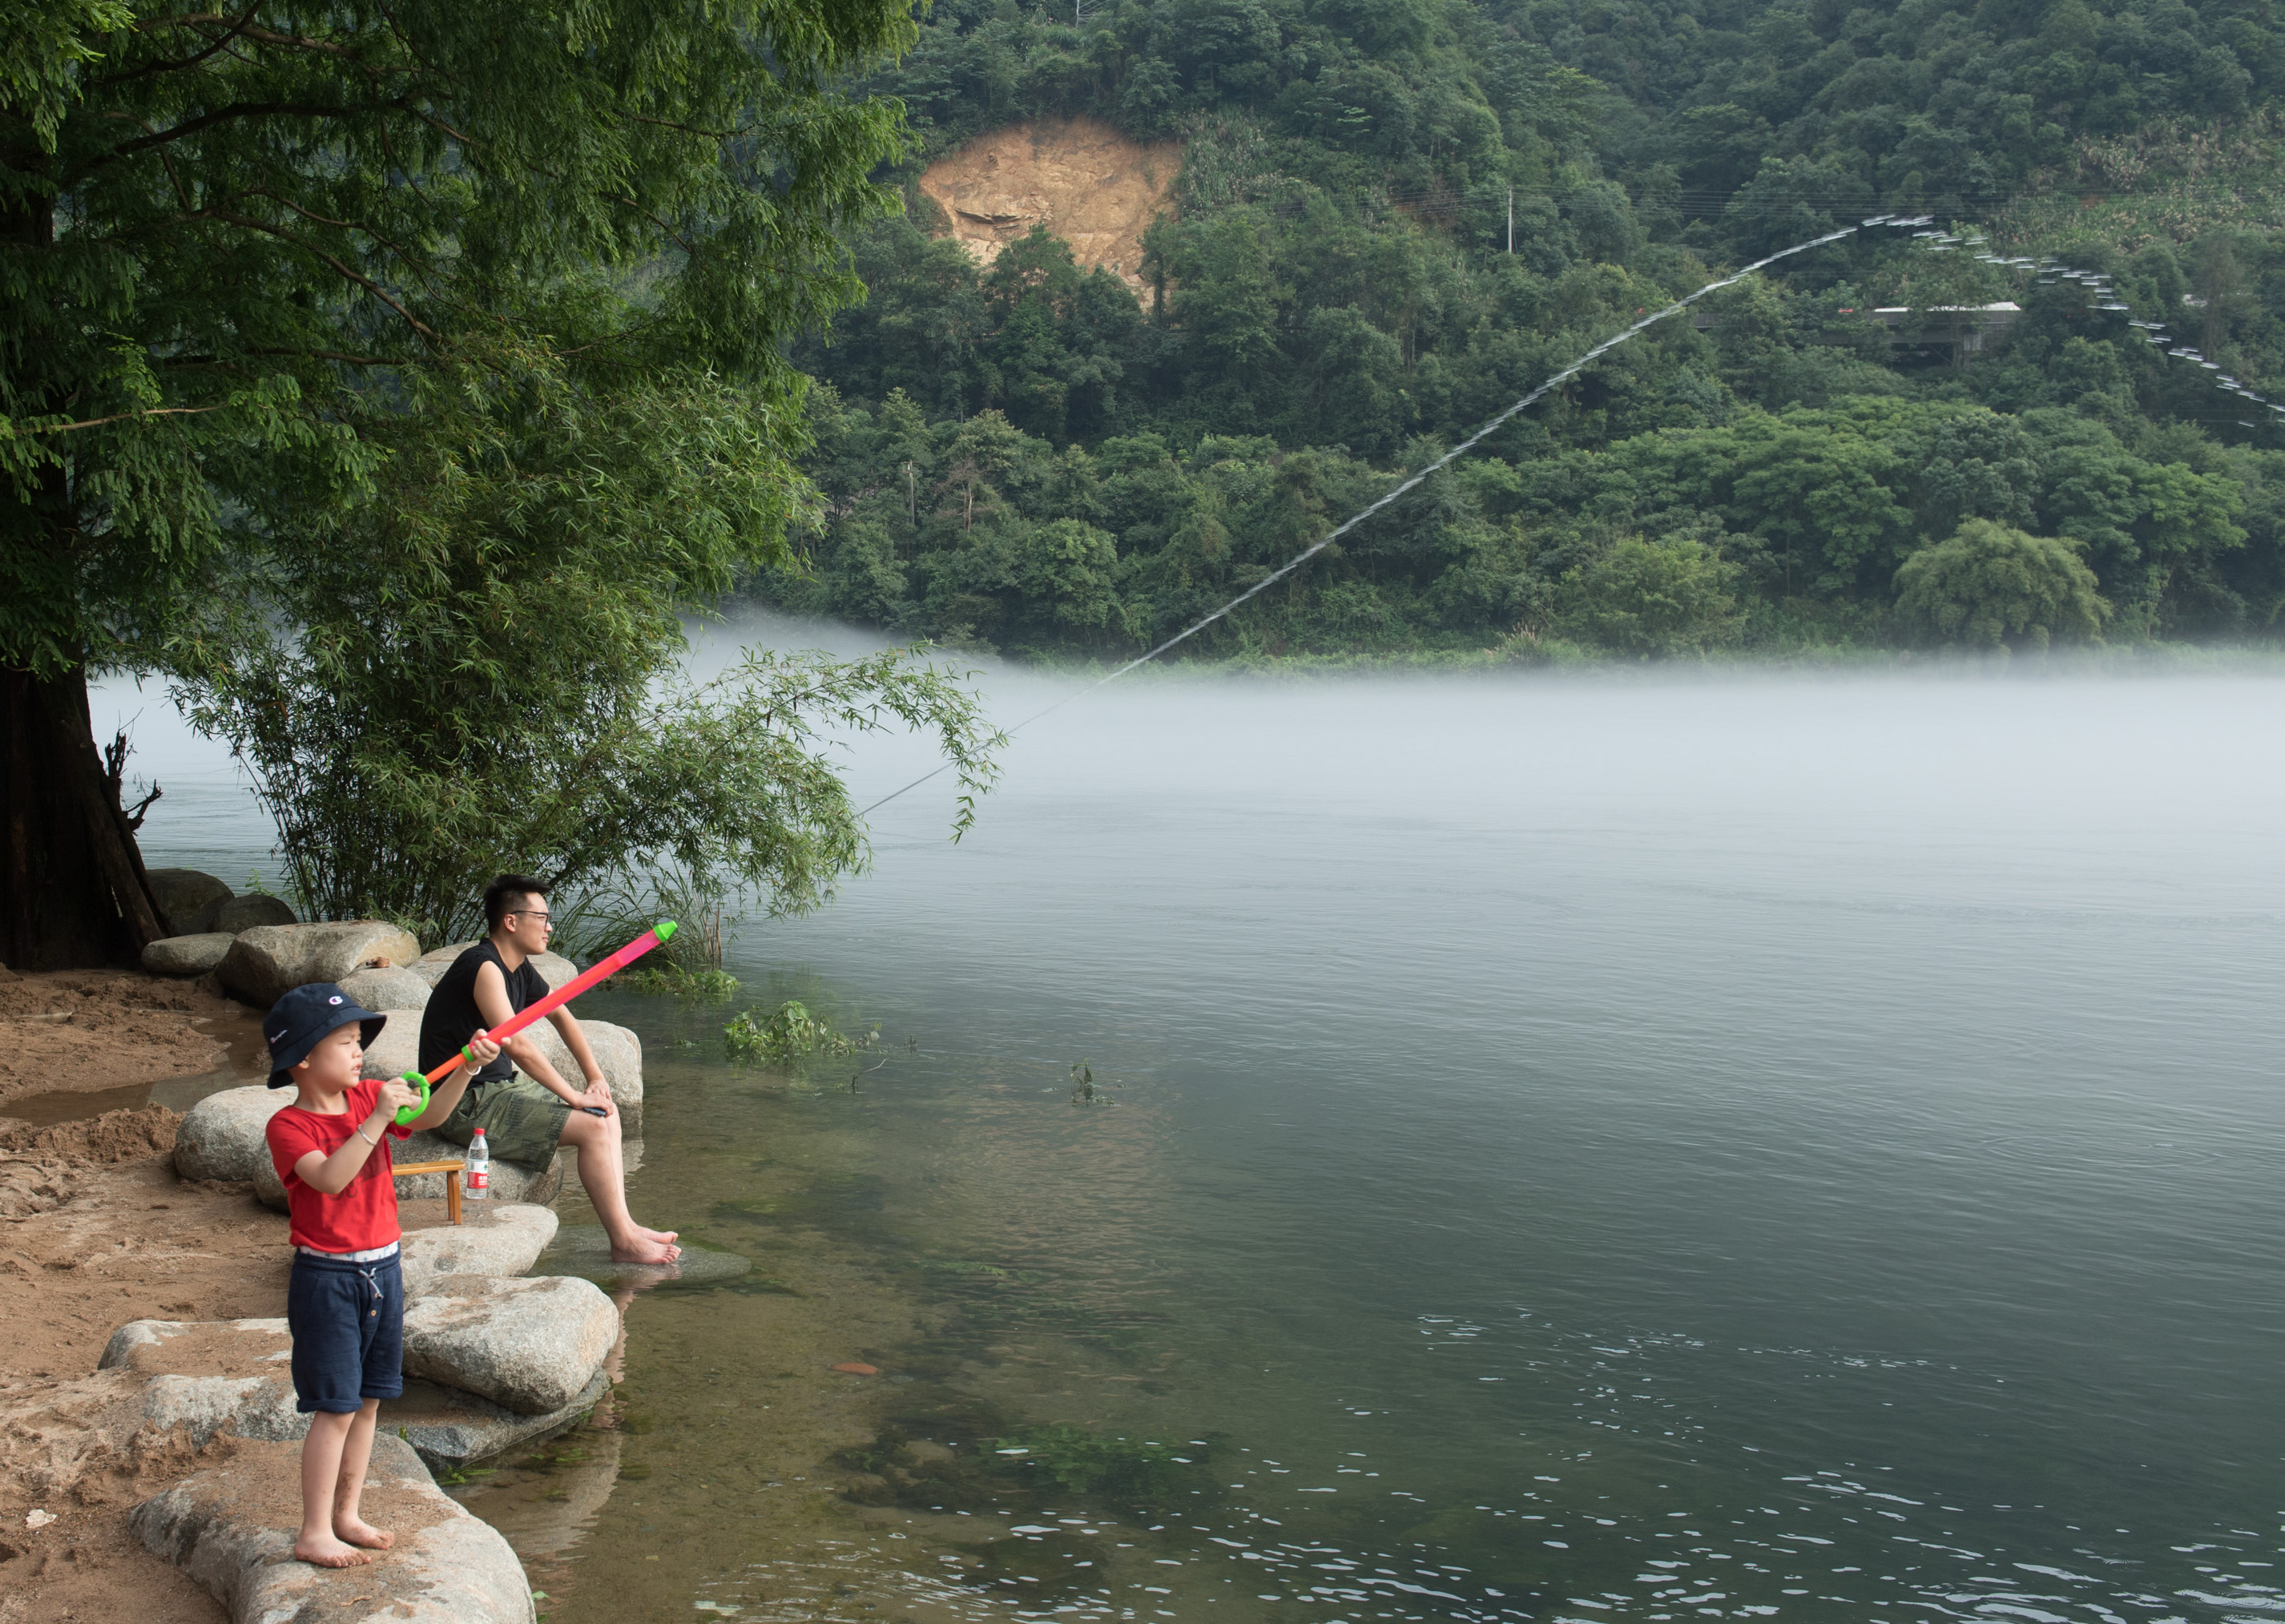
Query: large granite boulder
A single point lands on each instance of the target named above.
(387, 989)
(617, 1051)
(187, 956)
(249, 913)
(531, 1346)
(554, 967)
(187, 899)
(496, 1237)
(510, 1180)
(226, 1527)
(221, 1137)
(266, 963)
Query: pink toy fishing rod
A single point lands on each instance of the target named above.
(660, 932)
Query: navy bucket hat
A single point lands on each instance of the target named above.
(299, 1020)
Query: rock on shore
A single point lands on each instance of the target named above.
(553, 967)
(233, 1530)
(187, 956)
(266, 963)
(221, 1137)
(387, 989)
(617, 1051)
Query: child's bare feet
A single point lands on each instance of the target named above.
(355, 1531)
(641, 1247)
(330, 1552)
(665, 1238)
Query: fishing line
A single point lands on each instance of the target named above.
(1457, 451)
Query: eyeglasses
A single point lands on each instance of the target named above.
(546, 919)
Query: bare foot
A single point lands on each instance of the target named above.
(330, 1552)
(641, 1248)
(665, 1238)
(354, 1531)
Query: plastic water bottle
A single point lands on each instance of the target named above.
(476, 1171)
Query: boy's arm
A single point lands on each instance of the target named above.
(447, 1094)
(330, 1175)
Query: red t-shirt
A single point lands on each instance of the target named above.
(362, 1217)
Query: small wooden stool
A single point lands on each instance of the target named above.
(451, 1172)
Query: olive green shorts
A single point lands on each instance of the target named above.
(523, 1122)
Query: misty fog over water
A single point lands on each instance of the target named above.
(1778, 1146)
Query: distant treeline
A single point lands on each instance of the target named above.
(1031, 459)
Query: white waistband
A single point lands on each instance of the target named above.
(375, 1256)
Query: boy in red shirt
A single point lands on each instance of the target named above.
(345, 1305)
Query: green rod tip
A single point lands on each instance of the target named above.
(666, 927)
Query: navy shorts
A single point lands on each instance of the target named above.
(348, 1321)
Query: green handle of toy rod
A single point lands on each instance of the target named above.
(407, 1113)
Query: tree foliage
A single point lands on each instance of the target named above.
(1333, 293)
(396, 378)
(1987, 586)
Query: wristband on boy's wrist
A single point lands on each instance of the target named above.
(369, 1139)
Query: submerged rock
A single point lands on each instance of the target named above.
(586, 1250)
(265, 963)
(224, 1528)
(530, 1345)
(451, 1427)
(187, 955)
(220, 1137)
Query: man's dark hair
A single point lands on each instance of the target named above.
(504, 896)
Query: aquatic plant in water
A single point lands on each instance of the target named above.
(788, 1033)
(1112, 1467)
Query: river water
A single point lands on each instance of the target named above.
(1771, 1147)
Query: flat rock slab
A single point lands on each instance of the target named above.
(531, 1346)
(387, 989)
(267, 962)
(455, 1429)
(232, 1528)
(499, 1238)
(221, 1135)
(584, 1249)
(187, 956)
(206, 1375)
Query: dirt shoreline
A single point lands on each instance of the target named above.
(91, 1032)
(97, 1230)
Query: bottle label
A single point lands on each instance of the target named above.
(479, 1178)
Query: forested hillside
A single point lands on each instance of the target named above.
(1034, 458)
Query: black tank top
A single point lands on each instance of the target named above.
(451, 1017)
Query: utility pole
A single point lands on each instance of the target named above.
(1511, 219)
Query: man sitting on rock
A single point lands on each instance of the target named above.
(524, 1108)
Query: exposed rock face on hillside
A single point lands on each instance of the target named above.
(1093, 187)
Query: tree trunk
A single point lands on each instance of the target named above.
(73, 889)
